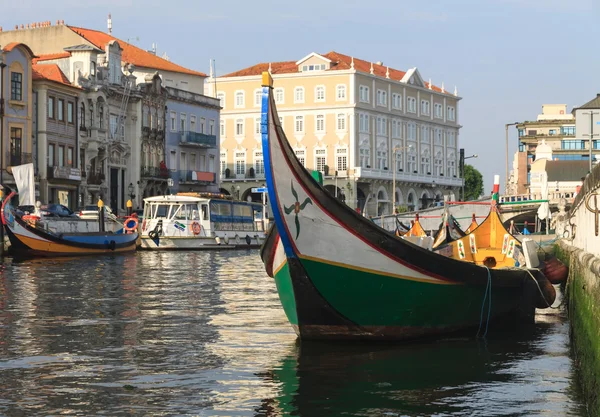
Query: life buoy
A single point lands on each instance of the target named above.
(196, 228)
(131, 224)
(31, 219)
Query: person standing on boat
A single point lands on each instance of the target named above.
(129, 207)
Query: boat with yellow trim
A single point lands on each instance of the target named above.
(28, 236)
(340, 276)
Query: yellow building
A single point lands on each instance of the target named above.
(355, 121)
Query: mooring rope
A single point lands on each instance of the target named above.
(488, 289)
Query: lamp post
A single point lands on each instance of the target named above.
(2, 66)
(397, 148)
(462, 164)
(591, 134)
(506, 132)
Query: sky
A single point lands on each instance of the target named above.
(506, 57)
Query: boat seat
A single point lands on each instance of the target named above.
(530, 253)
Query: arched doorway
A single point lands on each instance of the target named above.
(224, 191)
(425, 200)
(383, 202)
(336, 192)
(361, 198)
(411, 201)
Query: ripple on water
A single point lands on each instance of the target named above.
(203, 333)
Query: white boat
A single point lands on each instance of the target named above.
(189, 222)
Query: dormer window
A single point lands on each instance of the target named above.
(313, 62)
(318, 67)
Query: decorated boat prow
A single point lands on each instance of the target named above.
(340, 276)
(473, 225)
(28, 237)
(449, 230)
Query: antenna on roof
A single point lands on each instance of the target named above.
(109, 23)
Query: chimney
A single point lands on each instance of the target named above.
(109, 23)
(379, 62)
(57, 22)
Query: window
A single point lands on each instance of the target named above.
(381, 126)
(320, 93)
(341, 159)
(425, 168)
(16, 136)
(239, 99)
(552, 132)
(223, 163)
(211, 163)
(61, 156)
(61, 110)
(438, 168)
(299, 125)
(411, 161)
(564, 130)
(573, 144)
(363, 123)
(301, 155)
(438, 137)
(259, 163)
(451, 165)
(451, 139)
(398, 156)
(93, 68)
(365, 157)
(316, 67)
(70, 157)
(411, 130)
(320, 123)
(239, 127)
(397, 101)
(320, 159)
(70, 108)
(91, 115)
(112, 120)
(257, 126)
(257, 97)
(451, 113)
(51, 107)
(51, 155)
(340, 92)
(279, 95)
(411, 104)
(382, 158)
(222, 128)
(211, 127)
(299, 95)
(240, 163)
(82, 115)
(101, 116)
(221, 98)
(424, 134)
(341, 122)
(425, 107)
(193, 164)
(16, 86)
(173, 121)
(437, 111)
(182, 122)
(381, 98)
(192, 123)
(396, 128)
(363, 94)
(202, 125)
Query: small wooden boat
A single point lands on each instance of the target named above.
(473, 225)
(28, 237)
(449, 231)
(340, 276)
(416, 230)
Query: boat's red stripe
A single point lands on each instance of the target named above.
(388, 255)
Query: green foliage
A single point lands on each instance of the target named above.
(473, 183)
(402, 209)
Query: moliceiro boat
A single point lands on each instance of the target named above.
(28, 236)
(188, 221)
(340, 276)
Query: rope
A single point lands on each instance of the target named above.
(488, 289)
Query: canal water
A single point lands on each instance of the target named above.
(203, 333)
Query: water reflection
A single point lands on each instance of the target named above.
(506, 375)
(204, 333)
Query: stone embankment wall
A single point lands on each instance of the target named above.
(580, 250)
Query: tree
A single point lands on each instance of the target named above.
(473, 183)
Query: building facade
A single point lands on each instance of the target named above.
(556, 127)
(16, 108)
(56, 136)
(192, 141)
(355, 121)
(121, 123)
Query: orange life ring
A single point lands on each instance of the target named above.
(131, 224)
(196, 228)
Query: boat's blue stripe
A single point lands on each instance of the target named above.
(264, 121)
(98, 239)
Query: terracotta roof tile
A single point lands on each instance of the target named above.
(49, 72)
(132, 54)
(10, 46)
(338, 62)
(48, 57)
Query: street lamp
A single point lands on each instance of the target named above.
(462, 165)
(131, 189)
(397, 148)
(506, 131)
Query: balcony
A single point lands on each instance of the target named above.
(197, 177)
(154, 172)
(95, 177)
(250, 174)
(64, 173)
(370, 173)
(13, 159)
(197, 140)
